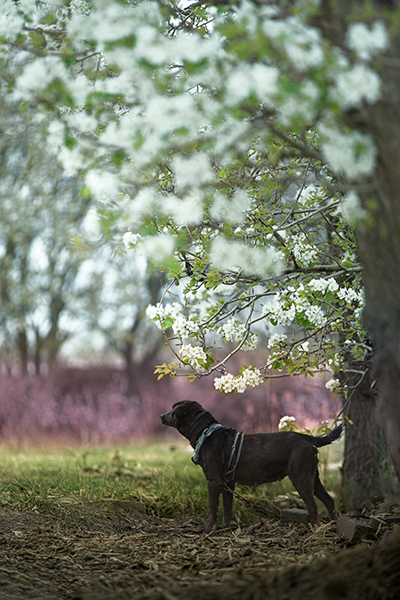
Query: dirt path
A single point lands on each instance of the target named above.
(109, 553)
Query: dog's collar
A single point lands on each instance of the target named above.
(208, 431)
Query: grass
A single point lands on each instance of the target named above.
(161, 475)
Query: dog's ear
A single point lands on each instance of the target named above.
(179, 410)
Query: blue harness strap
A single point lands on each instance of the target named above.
(236, 449)
(237, 443)
(206, 433)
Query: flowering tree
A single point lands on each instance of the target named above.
(40, 212)
(56, 282)
(236, 147)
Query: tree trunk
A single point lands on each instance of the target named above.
(130, 370)
(364, 473)
(22, 342)
(379, 246)
(379, 236)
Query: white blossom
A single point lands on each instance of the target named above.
(194, 48)
(80, 88)
(302, 105)
(194, 355)
(333, 385)
(157, 248)
(192, 172)
(71, 160)
(91, 225)
(356, 85)
(225, 383)
(230, 209)
(109, 24)
(285, 423)
(351, 208)
(38, 74)
(352, 153)
(244, 80)
(250, 377)
(187, 211)
(276, 339)
(282, 311)
(323, 285)
(315, 315)
(56, 133)
(134, 209)
(236, 332)
(366, 43)
(304, 252)
(260, 261)
(81, 122)
(302, 43)
(246, 14)
(181, 326)
(11, 22)
(129, 239)
(79, 7)
(102, 184)
(155, 312)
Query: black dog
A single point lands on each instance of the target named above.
(227, 457)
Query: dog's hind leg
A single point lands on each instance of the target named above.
(323, 495)
(302, 470)
(227, 502)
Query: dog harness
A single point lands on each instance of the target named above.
(206, 433)
(236, 448)
(237, 443)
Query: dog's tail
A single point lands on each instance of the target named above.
(328, 439)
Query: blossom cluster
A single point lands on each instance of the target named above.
(236, 332)
(287, 423)
(300, 302)
(194, 355)
(283, 311)
(333, 385)
(350, 207)
(352, 153)
(171, 314)
(355, 86)
(237, 256)
(276, 339)
(130, 239)
(304, 253)
(229, 383)
(333, 363)
(365, 42)
(324, 285)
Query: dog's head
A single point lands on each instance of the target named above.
(181, 411)
(189, 418)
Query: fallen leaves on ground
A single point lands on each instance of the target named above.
(113, 551)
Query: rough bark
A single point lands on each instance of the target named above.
(365, 477)
(379, 237)
(379, 246)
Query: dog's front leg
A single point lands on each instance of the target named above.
(227, 502)
(214, 491)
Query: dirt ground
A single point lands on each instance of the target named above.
(117, 552)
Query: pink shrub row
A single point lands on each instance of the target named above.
(92, 406)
